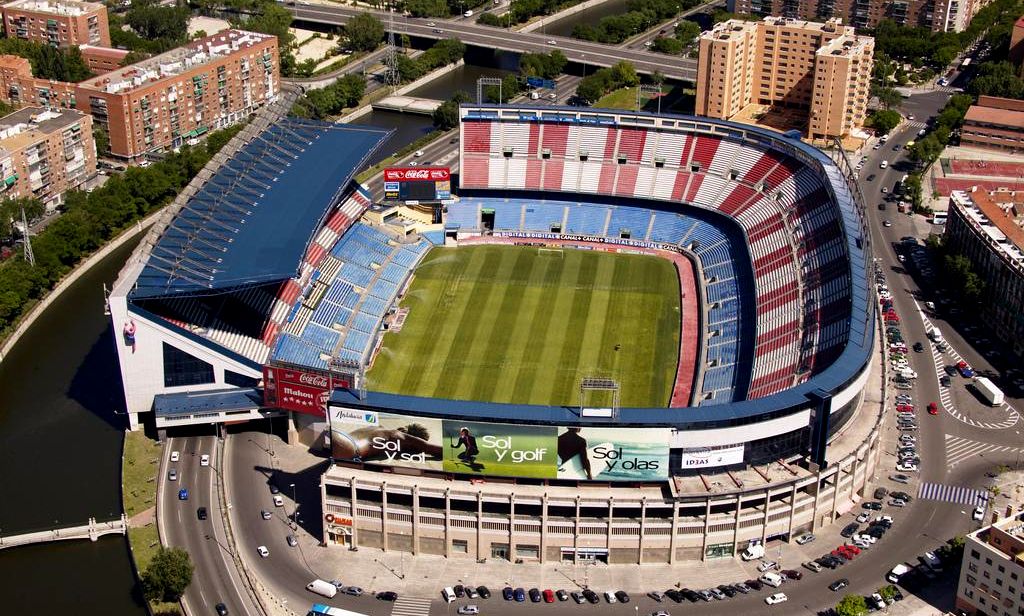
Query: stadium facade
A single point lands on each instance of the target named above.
(218, 320)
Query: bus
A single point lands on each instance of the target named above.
(326, 610)
(965, 64)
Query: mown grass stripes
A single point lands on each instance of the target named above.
(514, 324)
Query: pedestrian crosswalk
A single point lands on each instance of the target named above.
(959, 449)
(917, 124)
(411, 606)
(971, 497)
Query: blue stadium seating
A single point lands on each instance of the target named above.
(541, 215)
(586, 220)
(634, 219)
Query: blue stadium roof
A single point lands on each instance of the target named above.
(191, 402)
(251, 222)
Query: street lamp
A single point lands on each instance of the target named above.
(295, 506)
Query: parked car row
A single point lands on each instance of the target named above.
(537, 595)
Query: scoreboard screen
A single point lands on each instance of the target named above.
(422, 184)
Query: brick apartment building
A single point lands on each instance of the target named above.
(19, 87)
(60, 23)
(994, 123)
(44, 153)
(939, 15)
(992, 573)
(820, 69)
(171, 98)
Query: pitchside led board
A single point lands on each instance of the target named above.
(419, 184)
(500, 450)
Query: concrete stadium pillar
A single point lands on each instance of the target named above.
(544, 528)
(355, 513)
(611, 517)
(576, 534)
(292, 438)
(707, 527)
(817, 497)
(415, 519)
(835, 491)
(853, 476)
(764, 520)
(447, 523)
(479, 525)
(512, 527)
(792, 508)
(384, 516)
(643, 524)
(324, 537)
(736, 524)
(675, 532)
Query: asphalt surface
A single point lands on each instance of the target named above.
(216, 578)
(672, 67)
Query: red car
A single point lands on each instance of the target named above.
(851, 548)
(908, 408)
(933, 409)
(549, 596)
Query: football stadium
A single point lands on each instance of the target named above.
(613, 336)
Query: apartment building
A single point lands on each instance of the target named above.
(19, 87)
(988, 229)
(60, 23)
(44, 153)
(820, 69)
(992, 573)
(939, 15)
(175, 97)
(994, 123)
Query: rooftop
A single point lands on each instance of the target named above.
(994, 115)
(70, 8)
(176, 61)
(998, 219)
(30, 124)
(846, 45)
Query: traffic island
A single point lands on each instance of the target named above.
(140, 463)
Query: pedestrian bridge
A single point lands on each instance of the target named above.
(91, 531)
(408, 104)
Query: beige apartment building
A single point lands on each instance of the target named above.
(60, 23)
(938, 15)
(44, 153)
(820, 69)
(173, 98)
(992, 574)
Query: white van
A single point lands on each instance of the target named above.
(448, 594)
(468, 14)
(321, 587)
(772, 579)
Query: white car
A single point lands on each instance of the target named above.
(418, 153)
(863, 517)
(878, 601)
(175, 456)
(883, 164)
(979, 513)
(468, 609)
(552, 42)
(779, 597)
(278, 501)
(865, 537)
(263, 551)
(767, 565)
(906, 468)
(204, 460)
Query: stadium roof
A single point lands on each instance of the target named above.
(219, 400)
(251, 222)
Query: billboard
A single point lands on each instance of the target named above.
(383, 438)
(613, 454)
(298, 390)
(506, 450)
(710, 457)
(417, 183)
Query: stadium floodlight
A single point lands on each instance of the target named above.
(599, 384)
(487, 81)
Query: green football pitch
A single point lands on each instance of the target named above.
(525, 325)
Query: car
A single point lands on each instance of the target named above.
(906, 468)
(387, 595)
(175, 456)
(183, 494)
(172, 475)
(705, 595)
(431, 24)
(337, 584)
(204, 460)
(779, 597)
(849, 530)
(577, 597)
(552, 42)
(755, 584)
(883, 164)
(660, 613)
(903, 386)
(918, 347)
(717, 593)
(355, 591)
(886, 223)
(881, 493)
(950, 370)
(741, 587)
(813, 566)
(850, 548)
(862, 517)
(592, 597)
(804, 539)
(266, 515)
(964, 369)
(656, 595)
(292, 541)
(793, 574)
(274, 489)
(472, 593)
(201, 513)
(549, 595)
(871, 177)
(507, 594)
(438, 31)
(221, 609)
(519, 594)
(944, 381)
(767, 565)
(839, 584)
(535, 595)
(622, 596)
(827, 561)
(675, 595)
(278, 501)
(872, 505)
(418, 153)
(468, 609)
(263, 551)
(910, 117)
(460, 591)
(933, 408)
(979, 513)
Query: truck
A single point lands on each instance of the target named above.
(992, 394)
(321, 587)
(754, 550)
(897, 572)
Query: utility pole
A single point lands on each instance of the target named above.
(391, 76)
(29, 255)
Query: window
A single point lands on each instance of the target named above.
(972, 580)
(1002, 569)
(527, 551)
(460, 546)
(972, 567)
(180, 368)
(239, 380)
(988, 561)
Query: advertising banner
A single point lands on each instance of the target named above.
(383, 438)
(417, 184)
(417, 174)
(499, 449)
(710, 457)
(297, 390)
(613, 454)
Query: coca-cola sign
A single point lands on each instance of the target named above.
(417, 174)
(316, 380)
(298, 390)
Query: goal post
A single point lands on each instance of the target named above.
(553, 252)
(599, 397)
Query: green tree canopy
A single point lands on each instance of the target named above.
(168, 575)
(153, 21)
(365, 32)
(48, 62)
(884, 120)
(852, 605)
(687, 32)
(446, 117)
(669, 45)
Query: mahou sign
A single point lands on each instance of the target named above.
(417, 174)
(296, 390)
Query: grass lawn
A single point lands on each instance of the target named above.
(518, 324)
(623, 98)
(138, 472)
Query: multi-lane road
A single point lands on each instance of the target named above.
(584, 52)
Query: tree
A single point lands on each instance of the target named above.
(10, 213)
(102, 139)
(888, 592)
(427, 8)
(168, 575)
(153, 21)
(624, 75)
(446, 117)
(913, 190)
(852, 605)
(925, 150)
(664, 44)
(365, 32)
(966, 285)
(687, 32)
(884, 120)
(887, 97)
